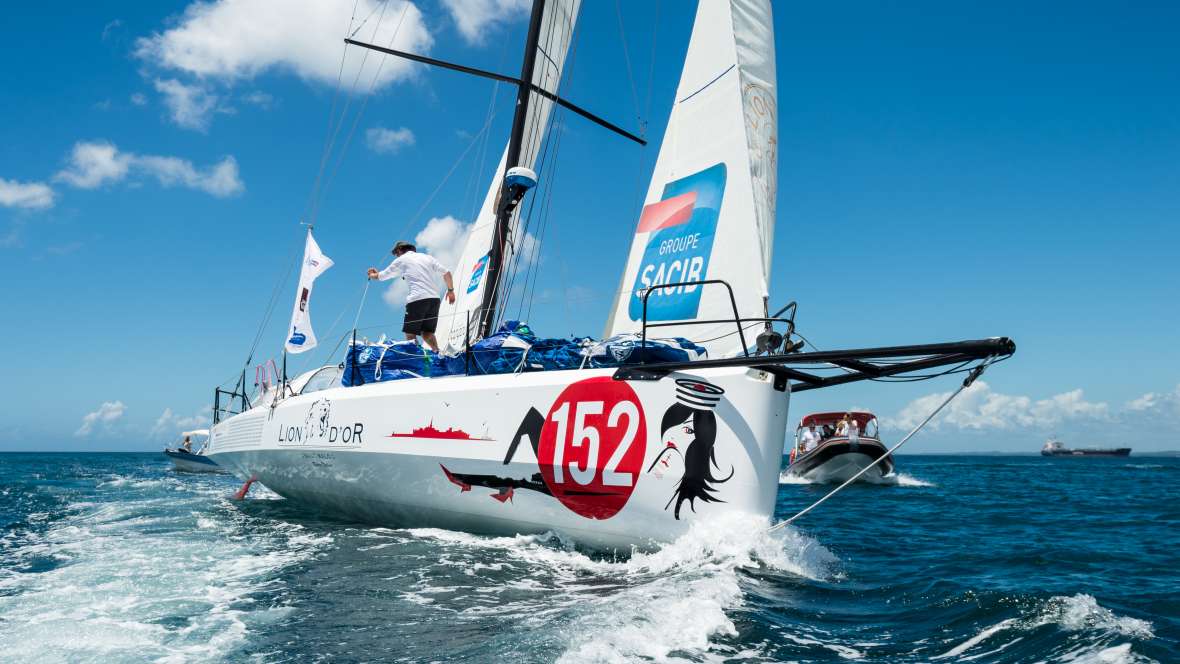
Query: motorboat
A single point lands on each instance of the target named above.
(836, 456)
(1056, 448)
(186, 460)
(678, 413)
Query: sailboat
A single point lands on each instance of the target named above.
(613, 457)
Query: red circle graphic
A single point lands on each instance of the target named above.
(593, 445)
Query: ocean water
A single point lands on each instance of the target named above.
(115, 557)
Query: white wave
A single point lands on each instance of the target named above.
(898, 479)
(674, 599)
(1082, 612)
(1120, 654)
(977, 639)
(140, 580)
(903, 479)
(1076, 613)
(788, 478)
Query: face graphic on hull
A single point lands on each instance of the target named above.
(698, 481)
(592, 444)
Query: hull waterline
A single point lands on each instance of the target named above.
(609, 463)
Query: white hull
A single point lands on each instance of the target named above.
(614, 482)
(842, 467)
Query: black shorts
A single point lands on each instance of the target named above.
(421, 316)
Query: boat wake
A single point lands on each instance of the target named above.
(892, 479)
(143, 569)
(676, 599)
(1079, 613)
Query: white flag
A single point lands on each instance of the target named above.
(301, 337)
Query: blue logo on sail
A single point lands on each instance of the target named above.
(297, 339)
(477, 272)
(682, 225)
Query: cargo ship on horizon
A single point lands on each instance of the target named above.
(1054, 448)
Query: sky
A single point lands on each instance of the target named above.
(946, 171)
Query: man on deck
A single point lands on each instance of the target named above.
(421, 273)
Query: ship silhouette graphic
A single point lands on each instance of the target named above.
(430, 431)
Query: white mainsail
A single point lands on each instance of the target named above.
(709, 211)
(557, 29)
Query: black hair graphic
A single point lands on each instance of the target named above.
(699, 461)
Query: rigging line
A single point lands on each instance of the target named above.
(331, 115)
(371, 12)
(479, 165)
(429, 199)
(549, 146)
(651, 71)
(271, 305)
(365, 104)
(534, 265)
(317, 196)
(546, 208)
(521, 233)
(627, 59)
(959, 368)
(966, 383)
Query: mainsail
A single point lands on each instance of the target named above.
(709, 211)
(471, 273)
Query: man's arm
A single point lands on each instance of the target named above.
(388, 273)
(450, 287)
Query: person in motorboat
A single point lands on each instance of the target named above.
(421, 272)
(810, 439)
(853, 431)
(828, 432)
(842, 427)
(187, 445)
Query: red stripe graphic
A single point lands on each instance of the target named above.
(668, 212)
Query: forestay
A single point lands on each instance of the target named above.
(471, 273)
(709, 211)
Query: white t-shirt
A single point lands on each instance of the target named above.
(421, 272)
(809, 439)
(853, 430)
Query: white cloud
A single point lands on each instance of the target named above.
(475, 17)
(979, 407)
(1156, 404)
(233, 40)
(220, 179)
(95, 163)
(388, 141)
(103, 418)
(139, 99)
(111, 27)
(191, 106)
(27, 195)
(170, 424)
(260, 99)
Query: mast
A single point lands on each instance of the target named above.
(480, 272)
(505, 209)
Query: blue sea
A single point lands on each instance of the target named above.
(115, 557)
